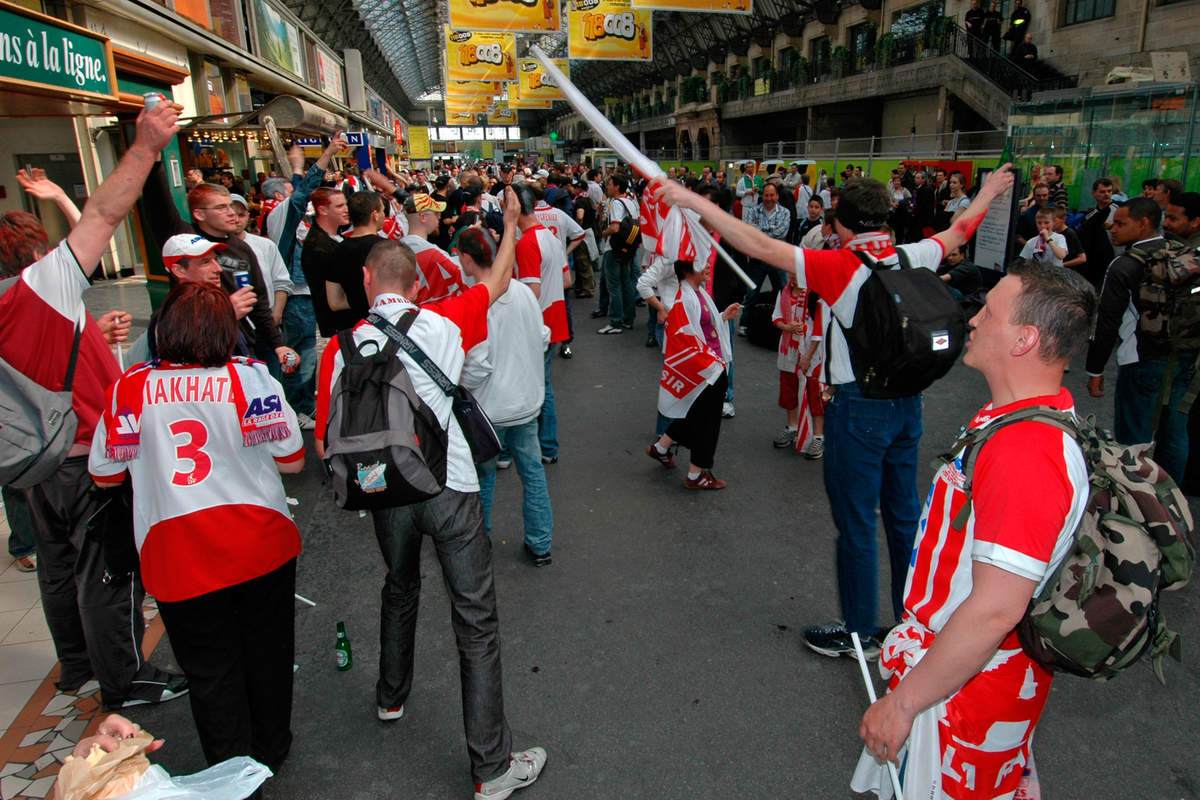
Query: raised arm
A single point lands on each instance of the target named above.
(502, 266)
(744, 238)
(963, 228)
(116, 195)
(41, 187)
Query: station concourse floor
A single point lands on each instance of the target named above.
(659, 657)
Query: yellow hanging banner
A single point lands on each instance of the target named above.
(477, 105)
(710, 6)
(608, 29)
(501, 114)
(480, 56)
(535, 84)
(472, 89)
(461, 118)
(504, 15)
(489, 150)
(418, 142)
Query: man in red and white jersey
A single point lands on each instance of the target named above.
(39, 315)
(871, 443)
(570, 235)
(542, 265)
(438, 275)
(445, 330)
(959, 679)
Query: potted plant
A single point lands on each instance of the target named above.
(883, 50)
(800, 74)
(841, 61)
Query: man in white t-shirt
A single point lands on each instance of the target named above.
(274, 271)
(94, 619)
(1047, 247)
(503, 372)
(445, 330)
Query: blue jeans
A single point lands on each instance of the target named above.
(547, 421)
(521, 442)
(1138, 386)
(299, 331)
(622, 290)
(871, 462)
(454, 521)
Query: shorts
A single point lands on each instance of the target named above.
(812, 392)
(789, 390)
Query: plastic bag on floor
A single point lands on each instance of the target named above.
(234, 779)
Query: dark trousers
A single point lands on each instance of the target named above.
(96, 623)
(237, 646)
(701, 428)
(454, 521)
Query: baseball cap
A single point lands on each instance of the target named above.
(237, 198)
(187, 245)
(416, 203)
(541, 173)
(506, 167)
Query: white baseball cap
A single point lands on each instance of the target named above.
(187, 245)
(237, 198)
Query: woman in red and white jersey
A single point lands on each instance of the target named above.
(201, 435)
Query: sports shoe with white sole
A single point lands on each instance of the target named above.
(523, 769)
(727, 410)
(815, 450)
(389, 714)
(306, 422)
(833, 640)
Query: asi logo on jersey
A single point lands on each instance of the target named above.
(264, 410)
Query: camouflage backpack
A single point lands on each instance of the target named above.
(1099, 611)
(1167, 299)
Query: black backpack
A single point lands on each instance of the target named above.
(908, 330)
(628, 237)
(384, 445)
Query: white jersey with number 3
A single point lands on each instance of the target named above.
(208, 511)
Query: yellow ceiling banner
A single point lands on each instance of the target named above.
(535, 84)
(473, 105)
(711, 6)
(504, 15)
(461, 118)
(489, 150)
(418, 142)
(469, 89)
(501, 114)
(608, 29)
(480, 56)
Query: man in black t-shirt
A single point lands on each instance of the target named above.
(345, 287)
(584, 212)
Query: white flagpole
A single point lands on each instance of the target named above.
(624, 148)
(866, 676)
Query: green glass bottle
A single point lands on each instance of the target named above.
(341, 649)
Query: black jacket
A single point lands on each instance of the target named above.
(1118, 297)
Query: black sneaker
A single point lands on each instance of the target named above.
(564, 350)
(597, 314)
(539, 559)
(176, 687)
(834, 640)
(651, 341)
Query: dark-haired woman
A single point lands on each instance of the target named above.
(694, 377)
(201, 434)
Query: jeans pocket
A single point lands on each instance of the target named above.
(866, 418)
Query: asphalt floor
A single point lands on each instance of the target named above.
(660, 656)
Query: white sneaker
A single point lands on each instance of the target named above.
(389, 714)
(523, 770)
(727, 411)
(815, 450)
(503, 462)
(307, 423)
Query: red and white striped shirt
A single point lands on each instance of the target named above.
(559, 223)
(541, 259)
(1011, 527)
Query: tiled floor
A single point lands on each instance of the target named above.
(39, 725)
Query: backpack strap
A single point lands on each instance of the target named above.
(971, 442)
(876, 265)
(69, 379)
(398, 335)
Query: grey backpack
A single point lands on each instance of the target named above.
(37, 425)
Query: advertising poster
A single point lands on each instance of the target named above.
(461, 117)
(475, 105)
(480, 56)
(278, 39)
(500, 114)
(708, 6)
(504, 15)
(516, 100)
(418, 142)
(535, 84)
(472, 89)
(608, 29)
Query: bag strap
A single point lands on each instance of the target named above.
(399, 336)
(971, 442)
(875, 265)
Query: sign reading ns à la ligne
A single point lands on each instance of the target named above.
(41, 52)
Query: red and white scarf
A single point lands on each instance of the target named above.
(259, 423)
(689, 364)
